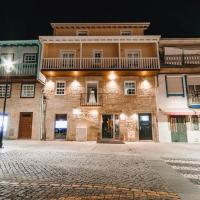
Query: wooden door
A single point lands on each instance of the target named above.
(178, 128)
(25, 125)
(145, 127)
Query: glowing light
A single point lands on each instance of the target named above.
(75, 84)
(134, 117)
(94, 113)
(112, 76)
(76, 111)
(5, 122)
(61, 124)
(145, 85)
(50, 85)
(122, 116)
(8, 64)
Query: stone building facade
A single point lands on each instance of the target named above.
(114, 102)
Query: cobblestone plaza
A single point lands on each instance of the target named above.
(116, 172)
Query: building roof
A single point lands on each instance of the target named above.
(143, 25)
(179, 41)
(19, 42)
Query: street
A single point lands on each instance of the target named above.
(71, 170)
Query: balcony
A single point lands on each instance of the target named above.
(91, 99)
(180, 60)
(194, 100)
(64, 64)
(21, 69)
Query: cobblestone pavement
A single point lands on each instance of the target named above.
(73, 175)
(189, 168)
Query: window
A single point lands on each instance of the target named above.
(195, 123)
(174, 86)
(3, 89)
(92, 92)
(126, 33)
(30, 58)
(67, 54)
(98, 54)
(60, 88)
(82, 33)
(28, 90)
(129, 88)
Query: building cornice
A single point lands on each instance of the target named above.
(100, 39)
(143, 25)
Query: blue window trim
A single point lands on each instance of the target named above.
(174, 94)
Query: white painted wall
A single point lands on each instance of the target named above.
(171, 103)
(18, 51)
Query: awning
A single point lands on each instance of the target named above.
(179, 111)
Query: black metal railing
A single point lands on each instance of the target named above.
(91, 99)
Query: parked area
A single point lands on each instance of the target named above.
(86, 170)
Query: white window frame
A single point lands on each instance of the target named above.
(123, 31)
(63, 51)
(97, 50)
(79, 31)
(86, 88)
(60, 88)
(129, 81)
(8, 89)
(29, 54)
(133, 51)
(22, 90)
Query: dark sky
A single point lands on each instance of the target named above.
(26, 19)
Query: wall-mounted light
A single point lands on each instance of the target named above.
(145, 84)
(94, 113)
(122, 117)
(112, 76)
(75, 84)
(50, 85)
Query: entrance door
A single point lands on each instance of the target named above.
(61, 126)
(145, 127)
(110, 126)
(25, 125)
(178, 128)
(107, 126)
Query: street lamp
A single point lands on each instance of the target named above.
(7, 64)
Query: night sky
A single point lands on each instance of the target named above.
(30, 18)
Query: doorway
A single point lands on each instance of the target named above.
(178, 128)
(110, 126)
(145, 126)
(25, 125)
(60, 126)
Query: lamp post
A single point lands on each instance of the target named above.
(8, 66)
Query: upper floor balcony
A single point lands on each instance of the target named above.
(180, 60)
(20, 69)
(142, 63)
(194, 100)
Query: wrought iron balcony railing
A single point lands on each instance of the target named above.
(20, 69)
(194, 99)
(91, 99)
(143, 63)
(179, 60)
